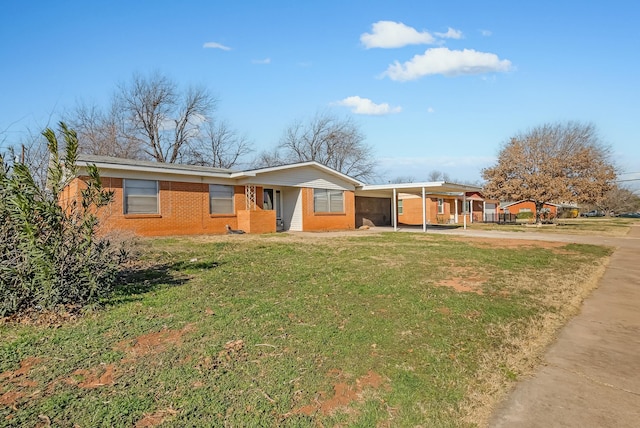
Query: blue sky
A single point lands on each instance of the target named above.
(432, 85)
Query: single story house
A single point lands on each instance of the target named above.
(550, 210)
(155, 199)
(446, 207)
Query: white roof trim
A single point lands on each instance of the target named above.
(118, 164)
(431, 186)
(256, 172)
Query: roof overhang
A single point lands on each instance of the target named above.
(431, 187)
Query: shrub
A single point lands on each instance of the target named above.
(525, 215)
(50, 254)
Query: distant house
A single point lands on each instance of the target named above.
(446, 208)
(550, 210)
(155, 199)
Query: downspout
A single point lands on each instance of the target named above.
(394, 212)
(424, 211)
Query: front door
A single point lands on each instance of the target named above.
(273, 201)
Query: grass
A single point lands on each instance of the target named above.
(278, 330)
(605, 226)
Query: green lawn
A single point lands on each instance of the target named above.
(606, 226)
(393, 329)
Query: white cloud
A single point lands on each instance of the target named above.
(215, 45)
(450, 34)
(485, 33)
(448, 63)
(431, 110)
(389, 34)
(366, 106)
(262, 61)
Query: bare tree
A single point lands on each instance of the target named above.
(104, 132)
(327, 139)
(619, 200)
(218, 145)
(436, 175)
(160, 118)
(268, 158)
(552, 163)
(403, 179)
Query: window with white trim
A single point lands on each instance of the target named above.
(221, 199)
(400, 209)
(440, 206)
(140, 197)
(328, 201)
(525, 210)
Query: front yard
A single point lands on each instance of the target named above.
(394, 329)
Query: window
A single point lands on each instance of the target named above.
(525, 210)
(400, 212)
(140, 197)
(328, 201)
(220, 199)
(440, 206)
(467, 207)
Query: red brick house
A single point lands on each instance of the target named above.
(156, 199)
(153, 199)
(445, 208)
(526, 206)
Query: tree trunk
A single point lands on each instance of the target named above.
(539, 207)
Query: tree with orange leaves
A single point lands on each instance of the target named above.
(558, 163)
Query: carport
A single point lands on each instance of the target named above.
(391, 191)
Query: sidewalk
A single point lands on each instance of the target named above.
(590, 376)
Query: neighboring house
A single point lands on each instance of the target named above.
(445, 208)
(153, 199)
(550, 210)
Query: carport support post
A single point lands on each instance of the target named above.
(394, 213)
(455, 214)
(424, 211)
(464, 210)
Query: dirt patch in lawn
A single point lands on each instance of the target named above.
(463, 285)
(155, 418)
(93, 377)
(343, 394)
(16, 381)
(152, 343)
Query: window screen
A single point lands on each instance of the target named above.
(140, 197)
(328, 201)
(220, 199)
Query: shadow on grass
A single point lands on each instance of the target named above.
(135, 281)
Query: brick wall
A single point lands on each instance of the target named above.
(312, 221)
(183, 210)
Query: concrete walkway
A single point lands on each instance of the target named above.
(590, 377)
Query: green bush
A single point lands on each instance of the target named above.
(49, 254)
(525, 215)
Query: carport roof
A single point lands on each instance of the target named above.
(431, 187)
